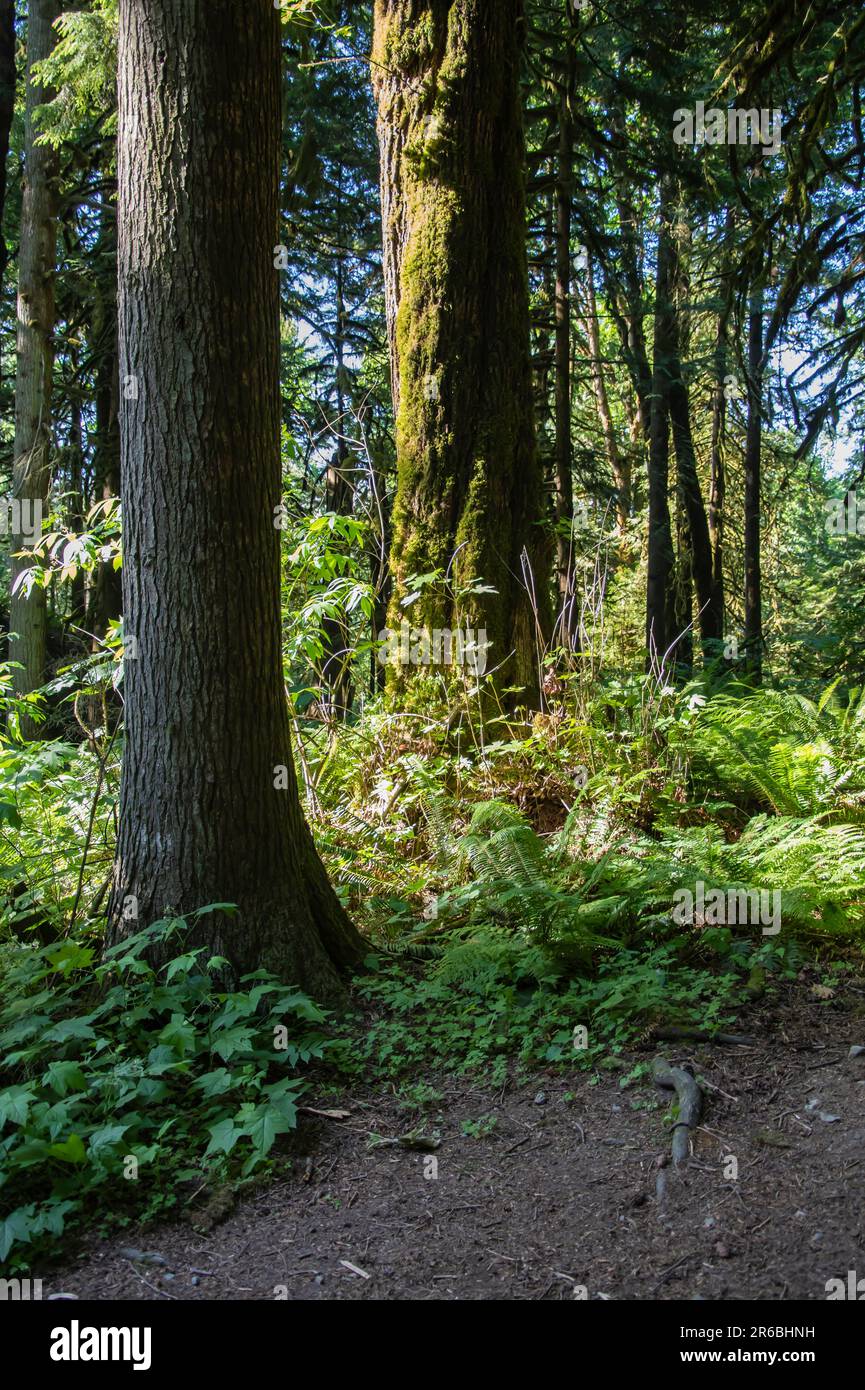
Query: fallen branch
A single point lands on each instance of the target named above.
(325, 1114)
(675, 1032)
(690, 1099)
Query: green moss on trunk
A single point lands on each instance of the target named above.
(469, 481)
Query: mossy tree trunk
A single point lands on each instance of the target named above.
(210, 810)
(469, 481)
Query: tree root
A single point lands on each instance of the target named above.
(674, 1032)
(690, 1099)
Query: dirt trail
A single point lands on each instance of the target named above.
(558, 1195)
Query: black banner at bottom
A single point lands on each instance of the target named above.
(85, 1339)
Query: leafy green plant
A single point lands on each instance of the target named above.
(456, 1021)
(480, 1128)
(792, 755)
(129, 1087)
(419, 1095)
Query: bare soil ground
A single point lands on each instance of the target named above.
(560, 1195)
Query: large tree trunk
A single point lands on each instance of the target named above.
(209, 804)
(660, 558)
(753, 442)
(469, 482)
(36, 268)
(7, 108)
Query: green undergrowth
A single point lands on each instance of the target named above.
(488, 999)
(518, 881)
(128, 1090)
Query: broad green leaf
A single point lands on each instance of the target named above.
(72, 1150)
(15, 1102)
(230, 1043)
(15, 1229)
(63, 1077)
(184, 963)
(215, 1083)
(106, 1137)
(224, 1136)
(70, 1028)
(180, 1034)
(262, 1123)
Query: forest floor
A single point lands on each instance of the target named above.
(559, 1195)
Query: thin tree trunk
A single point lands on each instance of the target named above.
(543, 345)
(620, 465)
(106, 595)
(563, 481)
(336, 696)
(339, 498)
(718, 480)
(75, 501)
(469, 482)
(682, 600)
(376, 457)
(660, 557)
(717, 471)
(542, 323)
(711, 617)
(630, 316)
(753, 443)
(28, 617)
(7, 109)
(209, 802)
(378, 550)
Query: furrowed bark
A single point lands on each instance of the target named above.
(209, 804)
